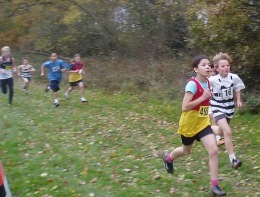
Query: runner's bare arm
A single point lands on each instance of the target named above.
(238, 98)
(188, 104)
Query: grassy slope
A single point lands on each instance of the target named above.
(111, 147)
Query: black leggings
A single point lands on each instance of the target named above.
(10, 83)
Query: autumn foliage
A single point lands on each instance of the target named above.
(148, 30)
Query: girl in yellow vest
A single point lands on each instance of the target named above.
(195, 123)
(76, 72)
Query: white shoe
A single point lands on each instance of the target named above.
(83, 100)
(47, 88)
(56, 103)
(67, 95)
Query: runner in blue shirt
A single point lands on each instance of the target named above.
(55, 68)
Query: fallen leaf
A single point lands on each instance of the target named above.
(127, 170)
(91, 195)
(93, 180)
(157, 176)
(172, 190)
(44, 174)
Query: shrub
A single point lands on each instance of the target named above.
(252, 103)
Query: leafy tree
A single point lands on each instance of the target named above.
(148, 29)
(95, 27)
(230, 26)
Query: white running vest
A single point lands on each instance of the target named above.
(223, 90)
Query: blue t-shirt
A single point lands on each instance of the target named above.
(54, 68)
(191, 86)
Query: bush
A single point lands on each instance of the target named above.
(135, 75)
(252, 103)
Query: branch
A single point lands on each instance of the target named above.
(92, 15)
(44, 53)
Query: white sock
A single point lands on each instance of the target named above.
(56, 100)
(232, 157)
(217, 137)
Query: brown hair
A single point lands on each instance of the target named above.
(77, 55)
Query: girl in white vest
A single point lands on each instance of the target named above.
(7, 67)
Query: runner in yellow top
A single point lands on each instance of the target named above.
(75, 77)
(195, 123)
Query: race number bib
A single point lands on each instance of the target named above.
(204, 111)
(227, 93)
(55, 69)
(8, 67)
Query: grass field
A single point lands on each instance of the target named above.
(112, 147)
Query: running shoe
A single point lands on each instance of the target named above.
(47, 88)
(221, 142)
(56, 103)
(236, 163)
(216, 191)
(168, 166)
(83, 100)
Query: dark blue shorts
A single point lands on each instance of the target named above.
(187, 141)
(55, 86)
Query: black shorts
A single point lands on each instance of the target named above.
(55, 86)
(73, 84)
(29, 78)
(189, 140)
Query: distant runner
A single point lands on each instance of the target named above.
(55, 68)
(76, 72)
(25, 71)
(7, 68)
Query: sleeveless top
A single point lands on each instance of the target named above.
(195, 120)
(6, 66)
(74, 77)
(26, 71)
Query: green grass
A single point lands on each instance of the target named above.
(111, 147)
